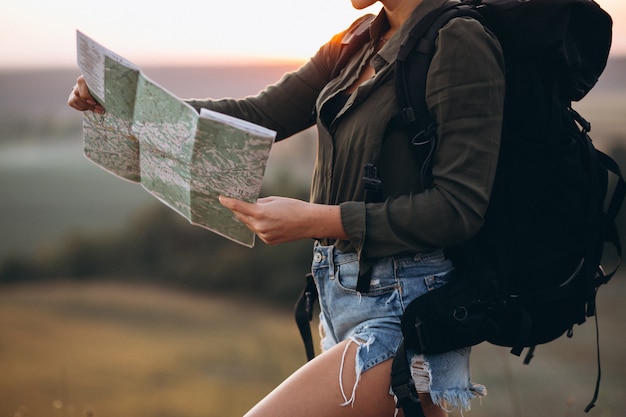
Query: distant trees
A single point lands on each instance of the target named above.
(163, 248)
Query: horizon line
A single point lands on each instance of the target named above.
(158, 63)
(191, 63)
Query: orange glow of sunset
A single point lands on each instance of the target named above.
(39, 33)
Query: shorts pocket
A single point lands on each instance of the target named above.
(383, 280)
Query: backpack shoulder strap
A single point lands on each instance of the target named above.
(411, 70)
(413, 61)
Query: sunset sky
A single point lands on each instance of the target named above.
(41, 33)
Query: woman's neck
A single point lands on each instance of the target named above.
(398, 11)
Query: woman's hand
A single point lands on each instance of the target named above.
(81, 99)
(279, 219)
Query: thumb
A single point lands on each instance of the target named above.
(235, 204)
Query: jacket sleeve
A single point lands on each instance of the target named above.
(465, 95)
(287, 106)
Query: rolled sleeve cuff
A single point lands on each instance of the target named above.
(353, 222)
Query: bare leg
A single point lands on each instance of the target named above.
(314, 390)
(430, 409)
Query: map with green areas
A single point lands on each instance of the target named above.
(185, 159)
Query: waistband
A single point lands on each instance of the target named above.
(321, 252)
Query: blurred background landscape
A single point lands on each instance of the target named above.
(113, 305)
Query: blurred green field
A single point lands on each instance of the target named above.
(51, 190)
(105, 349)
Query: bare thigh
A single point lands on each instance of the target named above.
(314, 389)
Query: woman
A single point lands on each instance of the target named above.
(399, 238)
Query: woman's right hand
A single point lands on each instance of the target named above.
(81, 99)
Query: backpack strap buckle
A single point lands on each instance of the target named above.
(371, 179)
(407, 115)
(405, 392)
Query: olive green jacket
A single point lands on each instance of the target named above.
(465, 95)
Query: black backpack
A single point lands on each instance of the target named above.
(532, 271)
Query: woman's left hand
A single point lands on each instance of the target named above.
(280, 219)
(81, 99)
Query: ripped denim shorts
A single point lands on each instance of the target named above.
(372, 320)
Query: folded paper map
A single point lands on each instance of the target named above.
(185, 159)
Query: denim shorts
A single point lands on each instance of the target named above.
(372, 319)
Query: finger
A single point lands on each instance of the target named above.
(84, 97)
(82, 91)
(76, 101)
(236, 205)
(80, 103)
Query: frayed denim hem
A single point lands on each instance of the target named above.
(457, 399)
(448, 399)
(358, 367)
